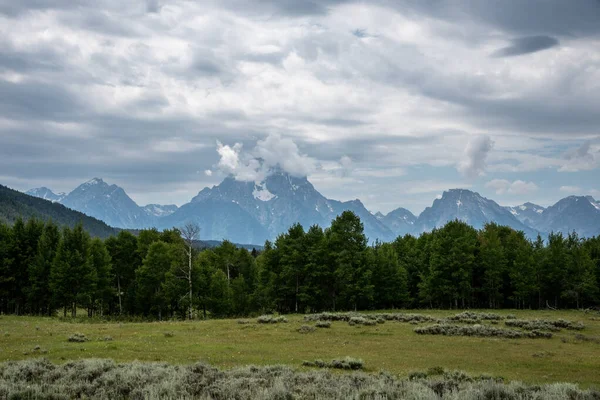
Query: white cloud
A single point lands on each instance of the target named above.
(269, 154)
(570, 189)
(431, 186)
(518, 187)
(476, 152)
(208, 172)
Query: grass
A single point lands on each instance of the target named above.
(392, 346)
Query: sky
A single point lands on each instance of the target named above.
(388, 101)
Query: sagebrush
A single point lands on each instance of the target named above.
(104, 379)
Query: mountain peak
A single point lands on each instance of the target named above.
(470, 207)
(46, 194)
(94, 181)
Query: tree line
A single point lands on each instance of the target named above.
(45, 269)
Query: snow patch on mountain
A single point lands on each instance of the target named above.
(159, 210)
(261, 193)
(46, 194)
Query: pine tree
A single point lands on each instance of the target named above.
(125, 255)
(220, 294)
(72, 277)
(104, 290)
(347, 245)
(151, 298)
(39, 294)
(493, 263)
(6, 273)
(293, 262)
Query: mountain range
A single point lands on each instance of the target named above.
(252, 212)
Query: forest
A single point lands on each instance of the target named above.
(45, 269)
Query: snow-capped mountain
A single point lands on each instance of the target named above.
(469, 207)
(528, 213)
(274, 204)
(46, 194)
(400, 221)
(573, 213)
(251, 212)
(158, 210)
(108, 203)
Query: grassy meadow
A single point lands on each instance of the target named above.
(391, 346)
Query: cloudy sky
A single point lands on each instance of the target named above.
(389, 101)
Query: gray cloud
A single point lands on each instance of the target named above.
(476, 154)
(526, 45)
(39, 100)
(138, 92)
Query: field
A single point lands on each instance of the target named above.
(391, 346)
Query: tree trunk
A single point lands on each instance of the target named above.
(190, 277)
(119, 292)
(297, 294)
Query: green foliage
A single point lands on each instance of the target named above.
(150, 276)
(15, 205)
(72, 276)
(43, 270)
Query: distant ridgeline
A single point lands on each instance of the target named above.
(14, 204)
(45, 269)
(252, 212)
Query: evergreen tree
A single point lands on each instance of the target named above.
(388, 277)
(125, 255)
(72, 276)
(220, 294)
(39, 294)
(104, 290)
(151, 298)
(522, 272)
(493, 262)
(447, 282)
(319, 276)
(293, 263)
(347, 244)
(6, 273)
(580, 280)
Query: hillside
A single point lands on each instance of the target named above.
(14, 204)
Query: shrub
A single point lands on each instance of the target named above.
(78, 338)
(270, 319)
(584, 338)
(347, 363)
(306, 329)
(362, 321)
(104, 379)
(471, 317)
(480, 331)
(323, 324)
(544, 324)
(531, 325)
(346, 317)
